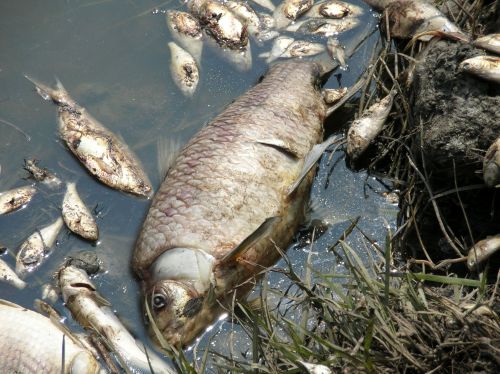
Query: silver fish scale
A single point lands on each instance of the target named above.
(225, 183)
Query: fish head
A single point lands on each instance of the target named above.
(178, 312)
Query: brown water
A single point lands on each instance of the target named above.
(112, 57)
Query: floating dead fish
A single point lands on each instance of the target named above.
(302, 48)
(246, 15)
(103, 154)
(279, 47)
(265, 4)
(184, 70)
(186, 30)
(324, 27)
(33, 343)
(77, 216)
(482, 250)
(42, 175)
(334, 9)
(49, 293)
(9, 276)
(16, 198)
(485, 67)
(92, 312)
(37, 247)
(198, 247)
(290, 10)
(332, 95)
(336, 51)
(364, 130)
(491, 165)
(221, 24)
(419, 19)
(489, 42)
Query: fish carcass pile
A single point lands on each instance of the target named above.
(200, 243)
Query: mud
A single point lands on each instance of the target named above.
(459, 113)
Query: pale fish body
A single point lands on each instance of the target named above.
(266, 30)
(103, 154)
(77, 216)
(336, 51)
(186, 31)
(290, 10)
(241, 59)
(229, 190)
(419, 19)
(184, 69)
(489, 42)
(268, 4)
(34, 250)
(42, 175)
(334, 9)
(92, 312)
(246, 15)
(482, 250)
(280, 45)
(364, 130)
(302, 48)
(491, 165)
(32, 343)
(49, 293)
(324, 27)
(332, 95)
(485, 67)
(9, 276)
(16, 198)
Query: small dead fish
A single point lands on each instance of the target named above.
(482, 250)
(77, 216)
(279, 47)
(9, 276)
(491, 165)
(485, 67)
(489, 42)
(334, 9)
(220, 23)
(368, 126)
(336, 51)
(37, 247)
(419, 19)
(16, 198)
(33, 343)
(290, 10)
(92, 311)
(184, 70)
(246, 15)
(49, 293)
(301, 48)
(186, 31)
(332, 95)
(42, 175)
(325, 27)
(100, 151)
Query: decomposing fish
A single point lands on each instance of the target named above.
(324, 27)
(184, 69)
(266, 28)
(363, 130)
(77, 216)
(37, 247)
(16, 198)
(482, 250)
(489, 42)
(333, 95)
(49, 293)
(336, 51)
(33, 343)
(334, 9)
(92, 312)
(186, 30)
(42, 175)
(302, 48)
(246, 15)
(290, 10)
(100, 151)
(279, 47)
(491, 164)
(485, 67)
(226, 203)
(416, 19)
(8, 275)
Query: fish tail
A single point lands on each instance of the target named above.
(59, 94)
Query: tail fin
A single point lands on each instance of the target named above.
(59, 94)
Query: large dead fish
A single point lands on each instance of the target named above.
(33, 343)
(16, 198)
(229, 200)
(102, 153)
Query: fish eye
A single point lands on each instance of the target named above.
(159, 301)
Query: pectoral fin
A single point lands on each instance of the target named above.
(281, 146)
(261, 232)
(312, 157)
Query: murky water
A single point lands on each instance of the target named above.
(112, 57)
